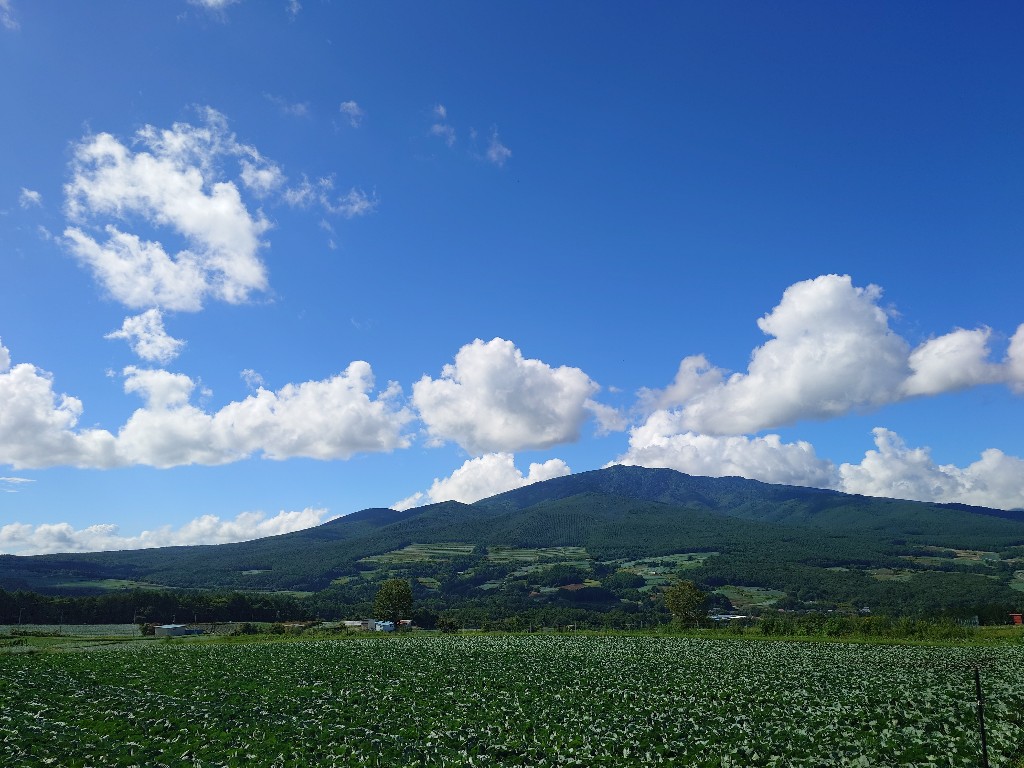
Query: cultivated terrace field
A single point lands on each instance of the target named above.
(514, 700)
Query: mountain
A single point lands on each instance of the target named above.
(804, 543)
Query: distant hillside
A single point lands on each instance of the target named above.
(803, 543)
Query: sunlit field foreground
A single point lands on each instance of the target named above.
(510, 701)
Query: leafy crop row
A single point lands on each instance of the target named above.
(509, 701)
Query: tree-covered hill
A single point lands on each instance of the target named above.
(808, 545)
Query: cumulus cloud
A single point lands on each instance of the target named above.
(38, 427)
(1015, 361)
(353, 112)
(494, 399)
(293, 7)
(497, 152)
(146, 335)
(482, 477)
(29, 198)
(894, 470)
(958, 360)
(662, 442)
(831, 351)
(24, 539)
(167, 179)
(330, 419)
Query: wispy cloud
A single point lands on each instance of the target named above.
(216, 7)
(291, 108)
(29, 198)
(440, 126)
(350, 205)
(353, 112)
(12, 484)
(497, 153)
(7, 18)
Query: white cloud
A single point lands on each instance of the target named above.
(38, 427)
(293, 7)
(482, 477)
(24, 539)
(831, 352)
(353, 112)
(146, 335)
(497, 152)
(894, 470)
(1015, 361)
(608, 419)
(493, 399)
(261, 179)
(958, 360)
(7, 19)
(330, 419)
(29, 198)
(171, 181)
(662, 442)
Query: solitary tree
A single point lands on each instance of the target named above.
(393, 600)
(685, 601)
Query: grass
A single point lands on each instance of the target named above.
(750, 597)
(551, 554)
(421, 553)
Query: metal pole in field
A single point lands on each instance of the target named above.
(981, 717)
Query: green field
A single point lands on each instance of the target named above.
(509, 701)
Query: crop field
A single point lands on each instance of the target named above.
(537, 700)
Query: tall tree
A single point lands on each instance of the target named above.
(685, 601)
(393, 600)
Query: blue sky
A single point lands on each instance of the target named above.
(269, 263)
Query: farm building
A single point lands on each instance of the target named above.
(372, 625)
(175, 630)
